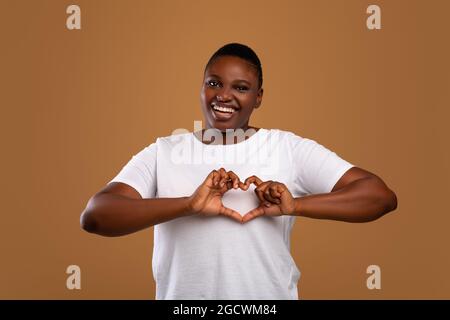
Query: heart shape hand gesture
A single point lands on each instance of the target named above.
(275, 198)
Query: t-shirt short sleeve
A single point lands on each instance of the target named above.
(140, 172)
(317, 168)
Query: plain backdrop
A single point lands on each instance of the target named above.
(77, 104)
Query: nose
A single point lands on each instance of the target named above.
(223, 94)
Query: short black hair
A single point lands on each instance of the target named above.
(242, 51)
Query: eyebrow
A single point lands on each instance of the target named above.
(239, 80)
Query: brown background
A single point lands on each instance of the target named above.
(76, 105)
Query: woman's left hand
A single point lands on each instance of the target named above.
(275, 198)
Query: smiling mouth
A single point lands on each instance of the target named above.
(222, 112)
(223, 108)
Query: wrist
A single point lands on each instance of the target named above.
(298, 206)
(187, 206)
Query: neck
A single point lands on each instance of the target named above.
(229, 137)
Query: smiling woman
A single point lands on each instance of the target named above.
(232, 88)
(213, 238)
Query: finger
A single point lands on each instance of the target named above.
(229, 184)
(265, 188)
(209, 178)
(234, 179)
(231, 213)
(225, 183)
(222, 172)
(219, 180)
(253, 179)
(215, 176)
(252, 214)
(269, 197)
(229, 181)
(275, 191)
(223, 177)
(274, 194)
(260, 195)
(242, 186)
(259, 190)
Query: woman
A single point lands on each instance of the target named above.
(218, 236)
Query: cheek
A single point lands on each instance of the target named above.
(245, 113)
(204, 98)
(208, 90)
(249, 100)
(248, 105)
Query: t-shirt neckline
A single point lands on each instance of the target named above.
(254, 137)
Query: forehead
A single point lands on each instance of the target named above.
(232, 67)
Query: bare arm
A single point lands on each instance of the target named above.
(119, 209)
(359, 196)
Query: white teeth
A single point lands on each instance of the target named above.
(223, 109)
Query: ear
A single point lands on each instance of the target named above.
(259, 98)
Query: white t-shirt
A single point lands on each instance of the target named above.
(198, 257)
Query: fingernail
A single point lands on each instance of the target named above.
(267, 204)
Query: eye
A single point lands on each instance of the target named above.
(212, 83)
(242, 88)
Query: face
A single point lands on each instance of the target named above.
(229, 93)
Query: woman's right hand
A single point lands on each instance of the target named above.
(207, 199)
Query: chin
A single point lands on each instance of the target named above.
(223, 127)
(220, 125)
